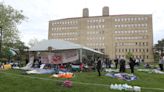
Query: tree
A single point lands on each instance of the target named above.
(33, 41)
(159, 46)
(159, 50)
(129, 54)
(9, 19)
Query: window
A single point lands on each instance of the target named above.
(139, 25)
(125, 19)
(102, 50)
(128, 19)
(142, 18)
(125, 50)
(119, 50)
(122, 19)
(139, 50)
(132, 50)
(139, 19)
(122, 50)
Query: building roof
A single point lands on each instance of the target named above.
(58, 45)
(102, 16)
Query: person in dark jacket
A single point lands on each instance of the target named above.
(131, 64)
(122, 64)
(116, 62)
(161, 62)
(99, 67)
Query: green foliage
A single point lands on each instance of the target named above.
(9, 19)
(129, 54)
(160, 45)
(158, 50)
(156, 57)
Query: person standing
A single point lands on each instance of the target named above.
(99, 66)
(131, 64)
(40, 62)
(26, 61)
(122, 64)
(161, 62)
(81, 67)
(116, 62)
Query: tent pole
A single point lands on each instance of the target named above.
(81, 54)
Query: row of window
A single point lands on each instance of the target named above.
(67, 39)
(64, 28)
(95, 32)
(95, 38)
(135, 56)
(65, 22)
(100, 49)
(130, 25)
(131, 19)
(63, 34)
(95, 26)
(130, 31)
(132, 50)
(96, 44)
(131, 38)
(131, 44)
(95, 20)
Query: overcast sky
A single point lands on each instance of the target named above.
(39, 12)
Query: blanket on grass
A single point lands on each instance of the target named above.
(123, 76)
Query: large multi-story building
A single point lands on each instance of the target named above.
(115, 35)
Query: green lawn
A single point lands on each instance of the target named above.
(15, 81)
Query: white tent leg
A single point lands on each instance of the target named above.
(81, 55)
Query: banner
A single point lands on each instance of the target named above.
(55, 58)
(70, 56)
(60, 57)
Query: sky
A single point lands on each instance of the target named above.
(40, 12)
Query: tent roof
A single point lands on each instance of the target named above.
(59, 45)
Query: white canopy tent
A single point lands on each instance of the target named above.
(60, 45)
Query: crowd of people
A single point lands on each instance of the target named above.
(100, 63)
(118, 63)
(121, 63)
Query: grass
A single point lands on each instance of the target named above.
(15, 81)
